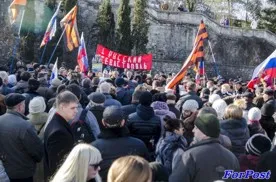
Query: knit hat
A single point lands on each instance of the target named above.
(158, 105)
(258, 144)
(113, 115)
(55, 83)
(220, 106)
(12, 79)
(213, 98)
(208, 124)
(190, 105)
(145, 98)
(97, 97)
(254, 114)
(120, 82)
(13, 99)
(37, 105)
(267, 110)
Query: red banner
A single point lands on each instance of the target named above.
(111, 58)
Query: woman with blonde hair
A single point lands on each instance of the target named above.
(235, 127)
(130, 169)
(82, 164)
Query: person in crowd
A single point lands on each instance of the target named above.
(62, 75)
(159, 172)
(82, 164)
(123, 94)
(212, 99)
(3, 175)
(241, 103)
(58, 136)
(189, 113)
(259, 100)
(96, 106)
(86, 84)
(220, 107)
(171, 98)
(37, 115)
(171, 144)
(226, 90)
(33, 85)
(268, 109)
(50, 103)
(90, 119)
(55, 83)
(144, 124)
(255, 147)
(22, 85)
(105, 89)
(204, 95)
(130, 168)
(235, 127)
(266, 162)
(238, 88)
(116, 134)
(254, 126)
(131, 108)
(191, 167)
(4, 89)
(20, 147)
(11, 80)
(43, 89)
(248, 97)
(191, 95)
(95, 83)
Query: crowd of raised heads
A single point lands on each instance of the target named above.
(125, 126)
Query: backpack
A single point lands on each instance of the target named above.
(82, 130)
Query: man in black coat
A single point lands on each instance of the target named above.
(131, 108)
(58, 136)
(114, 141)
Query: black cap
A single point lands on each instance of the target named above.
(13, 99)
(269, 91)
(112, 116)
(97, 97)
(248, 95)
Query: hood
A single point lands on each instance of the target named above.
(144, 112)
(157, 105)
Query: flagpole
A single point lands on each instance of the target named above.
(17, 41)
(214, 60)
(41, 58)
(56, 46)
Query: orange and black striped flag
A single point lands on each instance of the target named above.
(195, 58)
(14, 9)
(69, 22)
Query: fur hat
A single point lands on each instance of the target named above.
(190, 105)
(254, 114)
(258, 144)
(55, 83)
(208, 124)
(37, 105)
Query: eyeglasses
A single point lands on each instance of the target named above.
(95, 166)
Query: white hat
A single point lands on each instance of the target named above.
(220, 106)
(213, 98)
(254, 114)
(37, 105)
(190, 105)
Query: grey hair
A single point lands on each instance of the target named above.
(105, 87)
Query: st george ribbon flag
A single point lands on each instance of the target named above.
(69, 23)
(14, 9)
(266, 69)
(82, 56)
(51, 28)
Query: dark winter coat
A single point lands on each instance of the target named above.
(174, 110)
(123, 95)
(167, 146)
(205, 161)
(269, 125)
(21, 87)
(109, 101)
(188, 96)
(58, 142)
(5, 90)
(46, 93)
(115, 143)
(238, 133)
(20, 147)
(255, 128)
(98, 113)
(145, 125)
(248, 162)
(267, 162)
(29, 96)
(129, 109)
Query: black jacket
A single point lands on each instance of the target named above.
(238, 133)
(115, 143)
(269, 125)
(29, 96)
(129, 109)
(143, 124)
(188, 96)
(58, 142)
(267, 162)
(98, 113)
(174, 110)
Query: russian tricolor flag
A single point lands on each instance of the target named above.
(82, 56)
(54, 73)
(266, 69)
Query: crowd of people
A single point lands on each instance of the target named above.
(126, 127)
